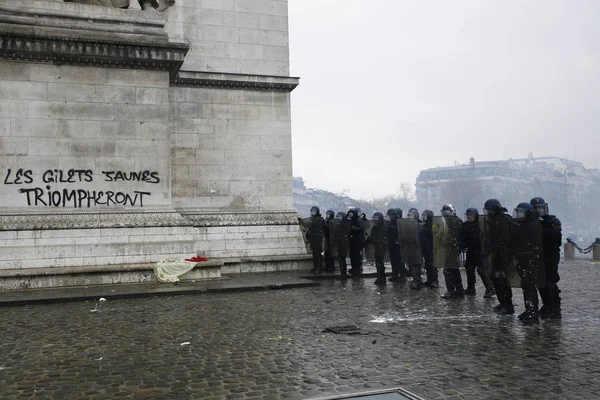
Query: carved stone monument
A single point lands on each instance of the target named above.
(135, 131)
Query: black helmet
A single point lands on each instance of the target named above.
(340, 215)
(413, 213)
(493, 206)
(392, 212)
(353, 213)
(472, 211)
(377, 216)
(427, 215)
(540, 207)
(316, 210)
(330, 214)
(448, 210)
(399, 212)
(523, 210)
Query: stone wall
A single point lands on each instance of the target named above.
(112, 154)
(235, 36)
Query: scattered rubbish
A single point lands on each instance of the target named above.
(374, 341)
(196, 259)
(1, 368)
(96, 309)
(102, 299)
(185, 343)
(99, 359)
(113, 290)
(177, 283)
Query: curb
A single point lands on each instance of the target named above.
(161, 293)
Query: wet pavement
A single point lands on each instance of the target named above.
(271, 344)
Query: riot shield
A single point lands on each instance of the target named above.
(497, 242)
(446, 241)
(338, 233)
(304, 226)
(409, 231)
(485, 250)
(376, 233)
(527, 268)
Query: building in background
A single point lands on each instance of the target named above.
(570, 189)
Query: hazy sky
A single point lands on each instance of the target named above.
(390, 87)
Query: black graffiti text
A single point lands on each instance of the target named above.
(141, 176)
(19, 178)
(80, 198)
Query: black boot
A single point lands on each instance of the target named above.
(470, 282)
(417, 283)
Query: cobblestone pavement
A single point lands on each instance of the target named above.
(271, 345)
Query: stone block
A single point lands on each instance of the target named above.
(190, 110)
(48, 147)
(274, 22)
(210, 157)
(147, 148)
(114, 164)
(70, 110)
(256, 188)
(10, 108)
(23, 90)
(68, 74)
(141, 112)
(241, 19)
(14, 71)
(5, 127)
(264, 37)
(246, 51)
(92, 147)
(141, 78)
(66, 163)
(151, 96)
(90, 93)
(226, 5)
(279, 188)
(269, 173)
(41, 163)
(34, 127)
(282, 158)
(154, 130)
(218, 126)
(276, 53)
(214, 33)
(238, 172)
(275, 113)
(273, 142)
(248, 142)
(185, 140)
(253, 127)
(204, 172)
(217, 142)
(212, 188)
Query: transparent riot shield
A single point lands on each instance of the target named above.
(304, 226)
(527, 268)
(376, 235)
(409, 232)
(339, 229)
(446, 241)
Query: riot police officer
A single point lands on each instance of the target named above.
(399, 271)
(378, 239)
(552, 241)
(528, 257)
(342, 237)
(474, 260)
(315, 237)
(356, 241)
(427, 249)
(454, 285)
(329, 261)
(497, 245)
(416, 262)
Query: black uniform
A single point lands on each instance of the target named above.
(315, 237)
(399, 270)
(378, 239)
(356, 244)
(552, 240)
(474, 260)
(427, 250)
(329, 260)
